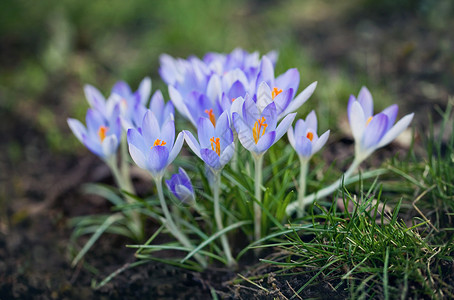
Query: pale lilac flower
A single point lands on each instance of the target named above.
(154, 147)
(257, 126)
(304, 139)
(373, 131)
(180, 185)
(101, 136)
(215, 144)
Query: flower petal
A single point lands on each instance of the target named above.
(374, 131)
(266, 141)
(176, 148)
(77, 128)
(192, 143)
(320, 142)
(357, 120)
(366, 101)
(289, 80)
(300, 99)
(291, 136)
(150, 128)
(157, 160)
(391, 113)
(284, 126)
(311, 121)
(205, 131)
(397, 129)
(227, 154)
(263, 96)
(177, 100)
(211, 158)
(282, 100)
(303, 146)
(94, 97)
(144, 90)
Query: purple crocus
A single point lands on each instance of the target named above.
(304, 138)
(180, 185)
(282, 89)
(373, 131)
(101, 136)
(215, 146)
(153, 148)
(257, 126)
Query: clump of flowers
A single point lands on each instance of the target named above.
(230, 99)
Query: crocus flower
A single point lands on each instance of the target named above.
(304, 138)
(180, 185)
(281, 89)
(257, 125)
(153, 148)
(373, 131)
(101, 136)
(215, 146)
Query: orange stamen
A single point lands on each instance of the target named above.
(158, 142)
(233, 99)
(368, 120)
(102, 132)
(310, 136)
(211, 116)
(215, 143)
(275, 92)
(257, 130)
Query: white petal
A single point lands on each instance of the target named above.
(300, 99)
(357, 121)
(263, 96)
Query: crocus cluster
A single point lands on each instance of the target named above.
(228, 98)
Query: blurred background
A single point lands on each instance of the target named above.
(402, 50)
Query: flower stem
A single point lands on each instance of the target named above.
(125, 184)
(217, 216)
(172, 228)
(258, 159)
(327, 190)
(304, 164)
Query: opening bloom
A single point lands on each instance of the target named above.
(180, 185)
(256, 125)
(153, 148)
(101, 136)
(215, 145)
(373, 131)
(304, 138)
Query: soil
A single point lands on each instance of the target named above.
(40, 191)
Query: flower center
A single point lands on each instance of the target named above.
(368, 120)
(275, 92)
(257, 130)
(211, 116)
(310, 136)
(102, 132)
(158, 142)
(215, 144)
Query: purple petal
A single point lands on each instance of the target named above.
(374, 131)
(391, 113)
(265, 141)
(157, 160)
(303, 146)
(144, 90)
(157, 104)
(282, 100)
(365, 99)
(227, 154)
(397, 129)
(205, 131)
(237, 90)
(300, 99)
(192, 143)
(270, 115)
(94, 97)
(311, 121)
(77, 128)
(168, 133)
(291, 136)
(300, 127)
(288, 80)
(176, 147)
(138, 156)
(284, 126)
(320, 142)
(263, 96)
(122, 88)
(177, 100)
(266, 72)
(150, 128)
(109, 145)
(211, 158)
(250, 112)
(357, 120)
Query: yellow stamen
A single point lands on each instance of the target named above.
(215, 143)
(368, 120)
(211, 116)
(102, 132)
(257, 130)
(275, 92)
(310, 136)
(158, 142)
(233, 99)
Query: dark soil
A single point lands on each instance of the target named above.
(40, 189)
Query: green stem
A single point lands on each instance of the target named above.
(327, 190)
(172, 228)
(218, 217)
(258, 159)
(304, 165)
(125, 184)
